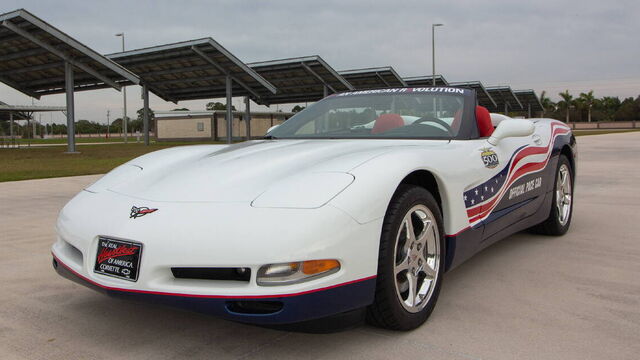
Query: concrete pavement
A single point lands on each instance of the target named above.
(527, 297)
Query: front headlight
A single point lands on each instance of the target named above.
(296, 272)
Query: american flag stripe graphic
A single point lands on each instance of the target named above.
(481, 200)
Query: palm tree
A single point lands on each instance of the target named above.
(587, 99)
(567, 100)
(547, 104)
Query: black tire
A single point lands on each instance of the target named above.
(553, 225)
(387, 311)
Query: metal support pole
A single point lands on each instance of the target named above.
(215, 126)
(433, 55)
(124, 116)
(145, 113)
(229, 110)
(433, 52)
(247, 116)
(11, 127)
(325, 91)
(71, 132)
(529, 109)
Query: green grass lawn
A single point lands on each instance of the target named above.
(79, 140)
(47, 162)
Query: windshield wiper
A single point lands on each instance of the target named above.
(269, 137)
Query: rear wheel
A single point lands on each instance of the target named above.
(410, 262)
(559, 218)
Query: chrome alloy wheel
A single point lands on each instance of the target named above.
(563, 194)
(417, 258)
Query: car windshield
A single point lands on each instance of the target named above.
(403, 113)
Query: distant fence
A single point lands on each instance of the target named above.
(7, 142)
(604, 125)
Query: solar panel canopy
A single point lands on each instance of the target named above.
(373, 78)
(528, 98)
(300, 79)
(483, 96)
(33, 55)
(426, 80)
(503, 96)
(194, 69)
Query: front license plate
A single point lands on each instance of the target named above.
(118, 258)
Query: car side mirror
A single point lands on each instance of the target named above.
(511, 128)
(272, 128)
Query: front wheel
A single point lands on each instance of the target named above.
(410, 262)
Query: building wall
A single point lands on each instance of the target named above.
(184, 128)
(199, 127)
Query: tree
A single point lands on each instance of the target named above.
(629, 110)
(587, 100)
(85, 127)
(297, 108)
(140, 119)
(116, 126)
(566, 102)
(218, 106)
(547, 104)
(607, 107)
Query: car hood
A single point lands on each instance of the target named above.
(239, 172)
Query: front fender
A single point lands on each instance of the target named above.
(376, 181)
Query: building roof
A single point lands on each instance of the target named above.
(529, 98)
(23, 112)
(426, 80)
(194, 69)
(300, 79)
(29, 108)
(33, 53)
(502, 95)
(484, 98)
(373, 78)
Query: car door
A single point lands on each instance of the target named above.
(515, 191)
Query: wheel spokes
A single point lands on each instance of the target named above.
(563, 194)
(403, 266)
(417, 256)
(412, 280)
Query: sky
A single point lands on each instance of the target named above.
(579, 45)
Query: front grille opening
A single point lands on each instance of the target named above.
(254, 307)
(210, 273)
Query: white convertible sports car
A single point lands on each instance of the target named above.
(363, 200)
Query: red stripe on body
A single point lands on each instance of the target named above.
(478, 213)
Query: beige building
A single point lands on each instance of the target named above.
(204, 125)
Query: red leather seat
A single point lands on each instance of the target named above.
(386, 122)
(483, 119)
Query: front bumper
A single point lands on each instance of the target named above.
(283, 309)
(179, 234)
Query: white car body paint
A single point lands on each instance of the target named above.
(264, 202)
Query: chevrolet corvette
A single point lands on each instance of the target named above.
(362, 201)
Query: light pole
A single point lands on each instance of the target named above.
(124, 95)
(433, 51)
(108, 123)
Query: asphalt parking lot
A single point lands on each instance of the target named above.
(527, 297)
